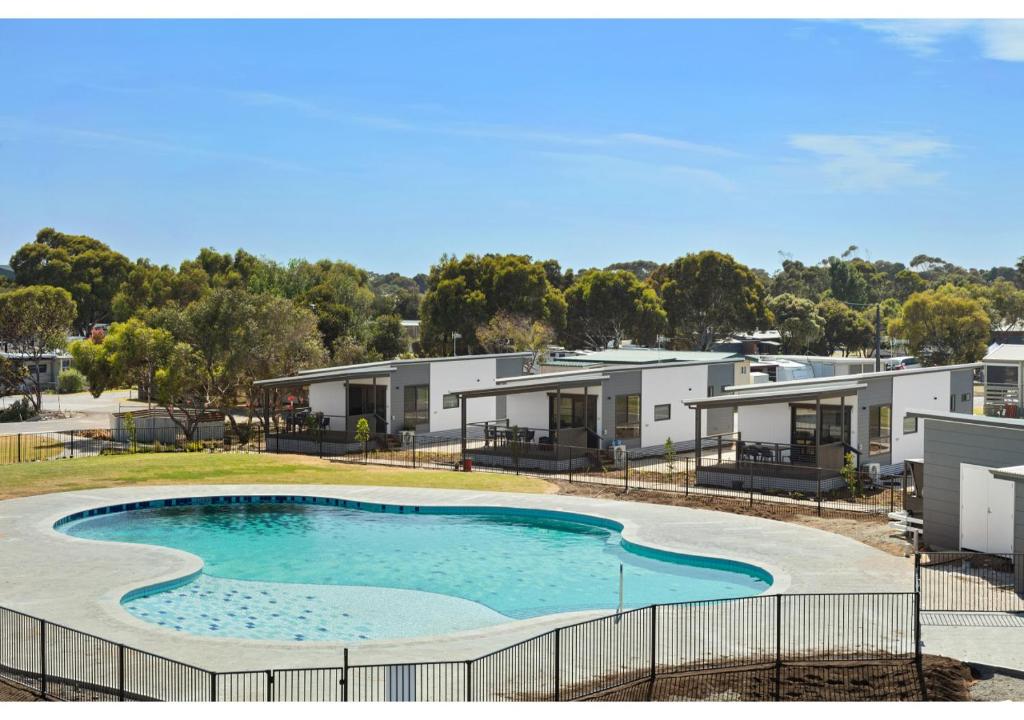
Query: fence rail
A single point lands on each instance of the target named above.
(960, 581)
(725, 472)
(574, 662)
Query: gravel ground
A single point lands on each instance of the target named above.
(993, 686)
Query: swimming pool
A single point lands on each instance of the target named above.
(298, 568)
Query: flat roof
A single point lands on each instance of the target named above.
(769, 397)
(519, 385)
(413, 361)
(985, 420)
(859, 376)
(647, 356)
(1015, 473)
(1006, 353)
(313, 377)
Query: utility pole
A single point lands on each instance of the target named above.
(455, 337)
(878, 337)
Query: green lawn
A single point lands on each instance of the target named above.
(209, 468)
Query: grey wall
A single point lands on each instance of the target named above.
(618, 383)
(877, 392)
(961, 382)
(719, 420)
(508, 367)
(406, 374)
(947, 444)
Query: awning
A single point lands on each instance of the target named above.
(313, 377)
(777, 395)
(535, 383)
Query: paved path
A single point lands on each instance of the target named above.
(79, 582)
(995, 639)
(86, 411)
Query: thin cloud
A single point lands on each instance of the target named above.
(600, 165)
(996, 39)
(85, 136)
(673, 144)
(872, 163)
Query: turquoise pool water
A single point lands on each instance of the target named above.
(310, 572)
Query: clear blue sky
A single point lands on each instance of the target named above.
(389, 143)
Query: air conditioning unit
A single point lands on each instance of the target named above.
(408, 438)
(619, 453)
(874, 471)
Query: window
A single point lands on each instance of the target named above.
(449, 401)
(417, 406)
(965, 397)
(909, 425)
(575, 412)
(952, 403)
(834, 427)
(662, 412)
(627, 416)
(365, 400)
(1000, 375)
(879, 429)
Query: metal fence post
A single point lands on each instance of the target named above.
(686, 476)
(625, 471)
(72, 444)
(778, 647)
(469, 681)
(819, 491)
(19, 447)
(570, 463)
(213, 687)
(654, 644)
(120, 673)
(344, 675)
(270, 686)
(751, 484)
(42, 658)
(414, 450)
(558, 664)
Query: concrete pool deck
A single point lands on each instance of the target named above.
(79, 583)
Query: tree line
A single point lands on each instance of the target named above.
(195, 336)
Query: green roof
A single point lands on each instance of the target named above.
(644, 356)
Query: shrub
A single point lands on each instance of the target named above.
(18, 411)
(70, 381)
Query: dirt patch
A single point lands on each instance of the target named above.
(871, 530)
(943, 679)
(16, 693)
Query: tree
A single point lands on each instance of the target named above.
(1004, 304)
(464, 294)
(87, 268)
(906, 283)
(708, 296)
(606, 307)
(843, 327)
(847, 282)
(506, 333)
(93, 360)
(797, 321)
(179, 389)
(387, 337)
(942, 326)
(641, 268)
(807, 281)
(34, 321)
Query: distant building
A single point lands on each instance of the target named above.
(6, 272)
(755, 343)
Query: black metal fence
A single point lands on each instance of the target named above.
(68, 444)
(959, 581)
(724, 474)
(585, 660)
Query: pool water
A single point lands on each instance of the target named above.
(300, 572)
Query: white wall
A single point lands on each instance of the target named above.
(672, 385)
(918, 391)
(328, 398)
(529, 410)
(452, 375)
(764, 423)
